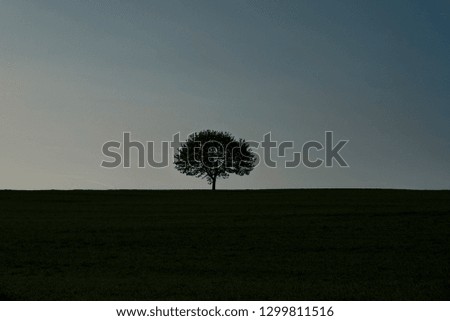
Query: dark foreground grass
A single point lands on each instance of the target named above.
(225, 245)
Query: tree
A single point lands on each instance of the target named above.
(214, 154)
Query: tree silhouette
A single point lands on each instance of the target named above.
(214, 154)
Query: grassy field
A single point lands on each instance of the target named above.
(225, 245)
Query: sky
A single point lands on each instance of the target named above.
(76, 74)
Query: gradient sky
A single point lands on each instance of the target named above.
(75, 74)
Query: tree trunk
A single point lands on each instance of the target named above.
(214, 183)
(214, 177)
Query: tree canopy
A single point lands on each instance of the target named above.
(214, 154)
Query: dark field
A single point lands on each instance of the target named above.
(225, 245)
